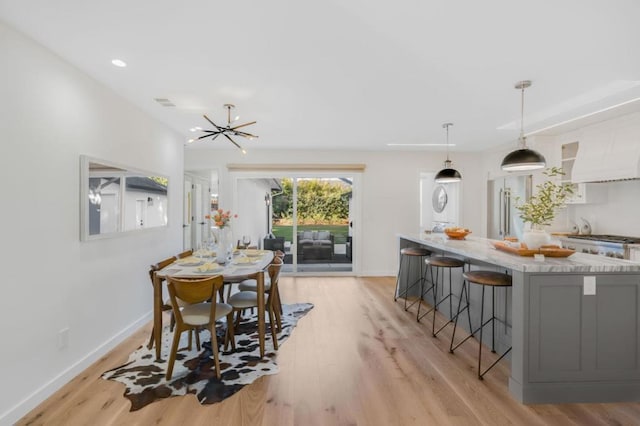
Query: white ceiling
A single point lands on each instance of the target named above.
(351, 74)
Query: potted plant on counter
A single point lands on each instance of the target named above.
(540, 210)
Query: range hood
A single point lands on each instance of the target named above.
(608, 153)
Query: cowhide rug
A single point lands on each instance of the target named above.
(193, 371)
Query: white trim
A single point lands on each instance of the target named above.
(22, 408)
(289, 168)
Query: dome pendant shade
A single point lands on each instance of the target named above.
(448, 174)
(523, 159)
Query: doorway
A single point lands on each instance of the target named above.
(200, 199)
(309, 217)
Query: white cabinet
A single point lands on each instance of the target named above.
(584, 193)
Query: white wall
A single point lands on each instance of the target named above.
(390, 192)
(619, 215)
(252, 219)
(50, 114)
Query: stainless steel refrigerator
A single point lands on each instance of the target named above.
(503, 218)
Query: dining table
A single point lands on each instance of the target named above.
(242, 264)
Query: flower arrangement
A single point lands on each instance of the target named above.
(221, 218)
(540, 209)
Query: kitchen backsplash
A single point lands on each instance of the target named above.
(618, 215)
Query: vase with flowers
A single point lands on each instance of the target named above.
(540, 210)
(221, 233)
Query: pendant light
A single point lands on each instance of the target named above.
(448, 174)
(523, 158)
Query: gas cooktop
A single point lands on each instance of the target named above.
(607, 238)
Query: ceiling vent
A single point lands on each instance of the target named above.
(164, 102)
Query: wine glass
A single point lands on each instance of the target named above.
(246, 240)
(200, 252)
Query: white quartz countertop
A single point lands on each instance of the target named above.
(482, 249)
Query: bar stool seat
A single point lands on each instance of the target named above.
(440, 262)
(490, 278)
(445, 262)
(486, 279)
(415, 251)
(419, 253)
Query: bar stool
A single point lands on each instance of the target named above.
(419, 253)
(485, 279)
(441, 263)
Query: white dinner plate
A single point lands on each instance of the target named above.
(209, 271)
(248, 261)
(197, 263)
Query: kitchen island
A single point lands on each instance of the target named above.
(573, 323)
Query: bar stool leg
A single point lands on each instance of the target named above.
(433, 289)
(455, 324)
(434, 333)
(481, 328)
(450, 300)
(395, 294)
(421, 279)
(435, 299)
(469, 304)
(493, 319)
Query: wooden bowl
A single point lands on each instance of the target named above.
(456, 234)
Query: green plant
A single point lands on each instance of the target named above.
(540, 209)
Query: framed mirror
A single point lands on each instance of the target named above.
(115, 199)
(439, 199)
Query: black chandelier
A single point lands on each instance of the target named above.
(226, 131)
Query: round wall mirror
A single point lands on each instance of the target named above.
(439, 199)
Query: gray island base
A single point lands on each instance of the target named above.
(574, 323)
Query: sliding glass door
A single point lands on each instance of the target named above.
(309, 218)
(320, 225)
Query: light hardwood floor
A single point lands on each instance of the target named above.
(356, 359)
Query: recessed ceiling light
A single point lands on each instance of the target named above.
(119, 63)
(195, 129)
(420, 144)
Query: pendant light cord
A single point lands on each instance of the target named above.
(522, 119)
(446, 126)
(522, 85)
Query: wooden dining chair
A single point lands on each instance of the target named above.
(198, 313)
(166, 305)
(249, 299)
(251, 285)
(184, 254)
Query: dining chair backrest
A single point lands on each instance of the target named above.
(193, 291)
(184, 254)
(278, 254)
(194, 315)
(274, 269)
(160, 265)
(164, 305)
